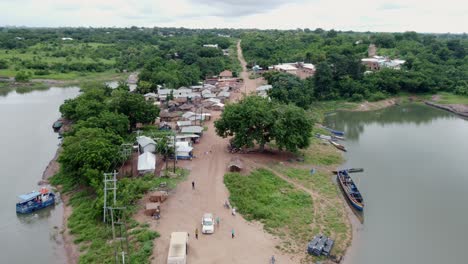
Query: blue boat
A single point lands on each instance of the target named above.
(350, 189)
(34, 201)
(336, 132)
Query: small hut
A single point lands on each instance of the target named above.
(236, 164)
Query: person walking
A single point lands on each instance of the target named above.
(217, 221)
(232, 233)
(196, 233)
(193, 185)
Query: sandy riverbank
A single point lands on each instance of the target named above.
(71, 249)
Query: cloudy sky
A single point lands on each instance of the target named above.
(359, 15)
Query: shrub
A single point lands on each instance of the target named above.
(22, 76)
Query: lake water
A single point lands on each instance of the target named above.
(415, 184)
(27, 145)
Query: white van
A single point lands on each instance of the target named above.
(178, 248)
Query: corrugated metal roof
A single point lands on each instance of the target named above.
(192, 129)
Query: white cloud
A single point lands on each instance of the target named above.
(359, 15)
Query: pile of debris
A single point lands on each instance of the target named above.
(320, 245)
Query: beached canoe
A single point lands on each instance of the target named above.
(352, 170)
(337, 145)
(351, 191)
(336, 132)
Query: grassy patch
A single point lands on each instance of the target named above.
(93, 236)
(284, 210)
(330, 218)
(321, 153)
(449, 98)
(319, 109)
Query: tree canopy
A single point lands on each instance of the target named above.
(255, 120)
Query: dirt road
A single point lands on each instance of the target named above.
(185, 207)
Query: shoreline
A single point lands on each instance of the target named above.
(458, 109)
(70, 248)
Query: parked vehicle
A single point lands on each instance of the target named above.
(208, 225)
(178, 248)
(34, 201)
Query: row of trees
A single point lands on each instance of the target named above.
(258, 121)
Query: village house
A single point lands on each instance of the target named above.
(210, 45)
(226, 74)
(146, 144)
(286, 67)
(197, 130)
(146, 163)
(378, 62)
(151, 97)
(184, 150)
(181, 124)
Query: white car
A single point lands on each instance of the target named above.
(208, 225)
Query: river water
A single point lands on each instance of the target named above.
(27, 145)
(415, 184)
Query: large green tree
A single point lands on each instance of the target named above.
(255, 120)
(109, 121)
(292, 128)
(250, 122)
(134, 106)
(88, 153)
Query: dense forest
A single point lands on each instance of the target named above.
(433, 63)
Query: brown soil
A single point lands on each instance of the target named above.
(71, 249)
(370, 106)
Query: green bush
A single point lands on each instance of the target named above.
(22, 76)
(377, 96)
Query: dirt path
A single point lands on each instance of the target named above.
(185, 207)
(249, 84)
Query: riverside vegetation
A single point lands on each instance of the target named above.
(103, 118)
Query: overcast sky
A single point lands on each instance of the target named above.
(359, 15)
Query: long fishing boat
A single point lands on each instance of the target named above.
(350, 189)
(352, 170)
(336, 132)
(337, 145)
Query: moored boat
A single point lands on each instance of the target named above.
(324, 137)
(57, 125)
(34, 201)
(351, 191)
(352, 170)
(336, 132)
(337, 145)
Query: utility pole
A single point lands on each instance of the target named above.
(175, 151)
(110, 184)
(119, 235)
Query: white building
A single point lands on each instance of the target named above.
(288, 68)
(146, 163)
(183, 150)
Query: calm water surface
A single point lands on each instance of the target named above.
(27, 145)
(415, 184)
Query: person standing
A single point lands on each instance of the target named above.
(196, 233)
(193, 185)
(232, 233)
(217, 221)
